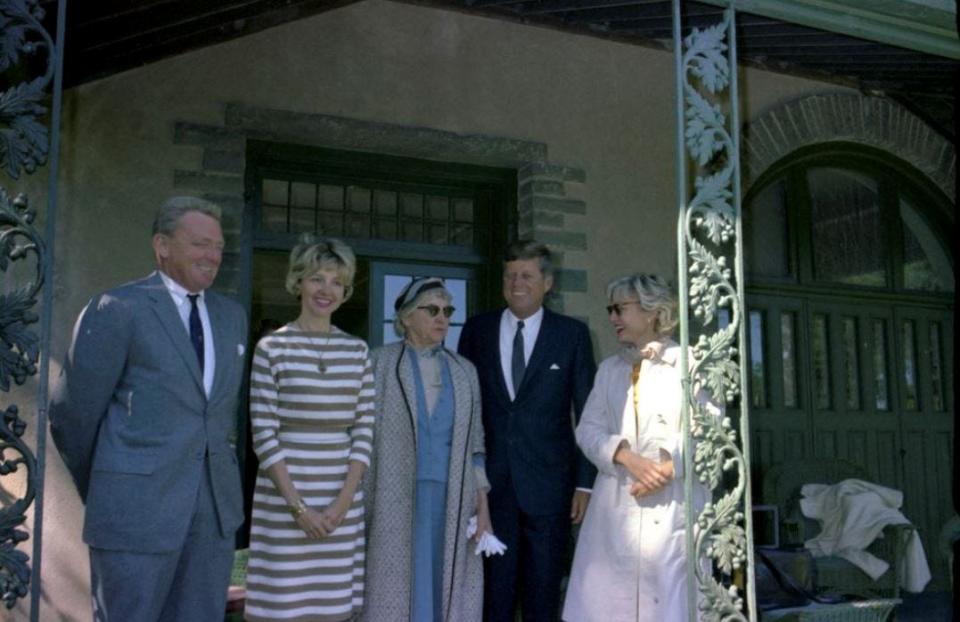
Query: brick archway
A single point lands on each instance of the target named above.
(871, 121)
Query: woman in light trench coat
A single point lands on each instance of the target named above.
(630, 561)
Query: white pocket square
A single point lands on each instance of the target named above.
(240, 349)
(554, 366)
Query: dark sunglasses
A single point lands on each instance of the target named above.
(617, 307)
(433, 310)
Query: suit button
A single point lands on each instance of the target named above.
(199, 455)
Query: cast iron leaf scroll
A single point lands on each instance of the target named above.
(24, 144)
(709, 236)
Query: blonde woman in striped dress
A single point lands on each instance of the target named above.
(311, 405)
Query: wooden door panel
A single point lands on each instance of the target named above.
(888, 470)
(928, 428)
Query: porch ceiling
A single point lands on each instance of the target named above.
(109, 36)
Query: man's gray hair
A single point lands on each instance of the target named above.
(174, 208)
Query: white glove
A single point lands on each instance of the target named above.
(488, 544)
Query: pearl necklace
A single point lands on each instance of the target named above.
(321, 365)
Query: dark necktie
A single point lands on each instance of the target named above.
(517, 363)
(196, 328)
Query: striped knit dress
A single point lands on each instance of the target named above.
(311, 406)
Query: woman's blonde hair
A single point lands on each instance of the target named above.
(312, 253)
(653, 293)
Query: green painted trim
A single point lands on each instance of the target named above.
(925, 28)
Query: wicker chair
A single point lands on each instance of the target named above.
(781, 486)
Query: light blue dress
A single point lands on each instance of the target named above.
(434, 436)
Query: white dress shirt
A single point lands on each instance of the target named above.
(508, 329)
(182, 303)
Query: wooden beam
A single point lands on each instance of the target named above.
(924, 25)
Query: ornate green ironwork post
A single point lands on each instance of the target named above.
(24, 145)
(711, 296)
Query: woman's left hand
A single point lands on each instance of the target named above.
(333, 515)
(484, 525)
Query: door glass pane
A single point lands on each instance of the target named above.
(275, 192)
(463, 210)
(393, 284)
(359, 199)
(758, 386)
(723, 318)
(330, 198)
(788, 347)
(851, 361)
(386, 202)
(821, 362)
(936, 369)
(881, 385)
(911, 400)
(274, 219)
(847, 231)
(302, 220)
(925, 263)
(303, 195)
(765, 233)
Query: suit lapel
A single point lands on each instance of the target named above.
(221, 342)
(169, 319)
(493, 352)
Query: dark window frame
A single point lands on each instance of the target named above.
(895, 179)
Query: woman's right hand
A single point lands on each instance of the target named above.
(647, 473)
(313, 523)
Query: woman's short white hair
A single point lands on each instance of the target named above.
(653, 293)
(412, 295)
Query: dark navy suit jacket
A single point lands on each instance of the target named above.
(530, 443)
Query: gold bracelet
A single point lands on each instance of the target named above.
(298, 509)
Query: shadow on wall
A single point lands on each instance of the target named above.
(65, 565)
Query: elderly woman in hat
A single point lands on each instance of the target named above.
(426, 480)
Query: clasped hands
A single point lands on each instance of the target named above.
(649, 475)
(320, 524)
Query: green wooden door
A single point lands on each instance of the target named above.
(859, 380)
(924, 370)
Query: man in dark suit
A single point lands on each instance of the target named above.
(536, 368)
(144, 415)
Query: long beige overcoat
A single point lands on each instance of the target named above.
(389, 490)
(630, 562)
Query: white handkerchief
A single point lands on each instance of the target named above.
(488, 544)
(554, 366)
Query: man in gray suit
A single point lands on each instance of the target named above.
(144, 415)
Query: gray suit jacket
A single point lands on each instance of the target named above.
(133, 424)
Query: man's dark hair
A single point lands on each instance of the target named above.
(530, 249)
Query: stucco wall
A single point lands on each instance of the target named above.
(606, 108)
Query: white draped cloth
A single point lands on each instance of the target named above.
(852, 514)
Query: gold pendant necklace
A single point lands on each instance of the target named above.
(321, 365)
